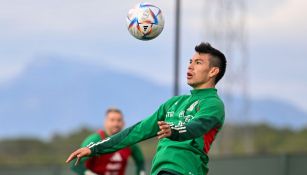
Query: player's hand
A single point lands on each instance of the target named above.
(165, 130)
(79, 154)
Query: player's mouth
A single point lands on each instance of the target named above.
(115, 130)
(189, 75)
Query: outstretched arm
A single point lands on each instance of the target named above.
(79, 153)
(136, 133)
(145, 129)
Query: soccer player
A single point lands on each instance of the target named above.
(186, 125)
(112, 163)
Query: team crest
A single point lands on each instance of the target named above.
(193, 106)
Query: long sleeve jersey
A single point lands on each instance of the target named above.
(195, 121)
(111, 163)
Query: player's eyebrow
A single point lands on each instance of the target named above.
(198, 59)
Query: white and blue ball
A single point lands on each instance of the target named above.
(145, 21)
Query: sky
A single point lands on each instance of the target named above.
(94, 32)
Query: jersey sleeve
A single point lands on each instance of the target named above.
(80, 168)
(143, 130)
(210, 115)
(138, 158)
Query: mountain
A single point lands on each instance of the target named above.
(278, 113)
(56, 95)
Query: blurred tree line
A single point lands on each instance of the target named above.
(263, 139)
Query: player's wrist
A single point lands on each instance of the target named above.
(91, 149)
(174, 134)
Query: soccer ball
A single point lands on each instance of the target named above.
(145, 21)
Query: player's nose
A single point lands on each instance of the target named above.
(190, 67)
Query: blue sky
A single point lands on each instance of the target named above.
(95, 32)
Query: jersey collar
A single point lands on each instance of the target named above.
(204, 92)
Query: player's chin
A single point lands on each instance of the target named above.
(114, 131)
(190, 83)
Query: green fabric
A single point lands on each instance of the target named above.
(143, 130)
(80, 168)
(138, 158)
(136, 154)
(190, 116)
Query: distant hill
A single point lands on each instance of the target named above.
(277, 113)
(54, 95)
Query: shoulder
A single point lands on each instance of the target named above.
(212, 101)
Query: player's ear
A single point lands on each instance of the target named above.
(214, 71)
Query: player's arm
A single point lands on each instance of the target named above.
(80, 168)
(138, 158)
(210, 116)
(143, 130)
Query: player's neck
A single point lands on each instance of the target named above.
(205, 85)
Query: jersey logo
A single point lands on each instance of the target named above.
(113, 166)
(181, 114)
(188, 118)
(180, 127)
(116, 157)
(193, 106)
(169, 114)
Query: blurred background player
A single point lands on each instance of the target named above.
(113, 163)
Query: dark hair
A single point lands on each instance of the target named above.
(217, 58)
(113, 109)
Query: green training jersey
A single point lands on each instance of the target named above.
(195, 120)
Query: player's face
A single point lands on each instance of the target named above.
(200, 74)
(113, 123)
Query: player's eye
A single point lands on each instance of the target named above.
(198, 62)
(190, 61)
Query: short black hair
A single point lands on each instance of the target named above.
(217, 59)
(113, 109)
